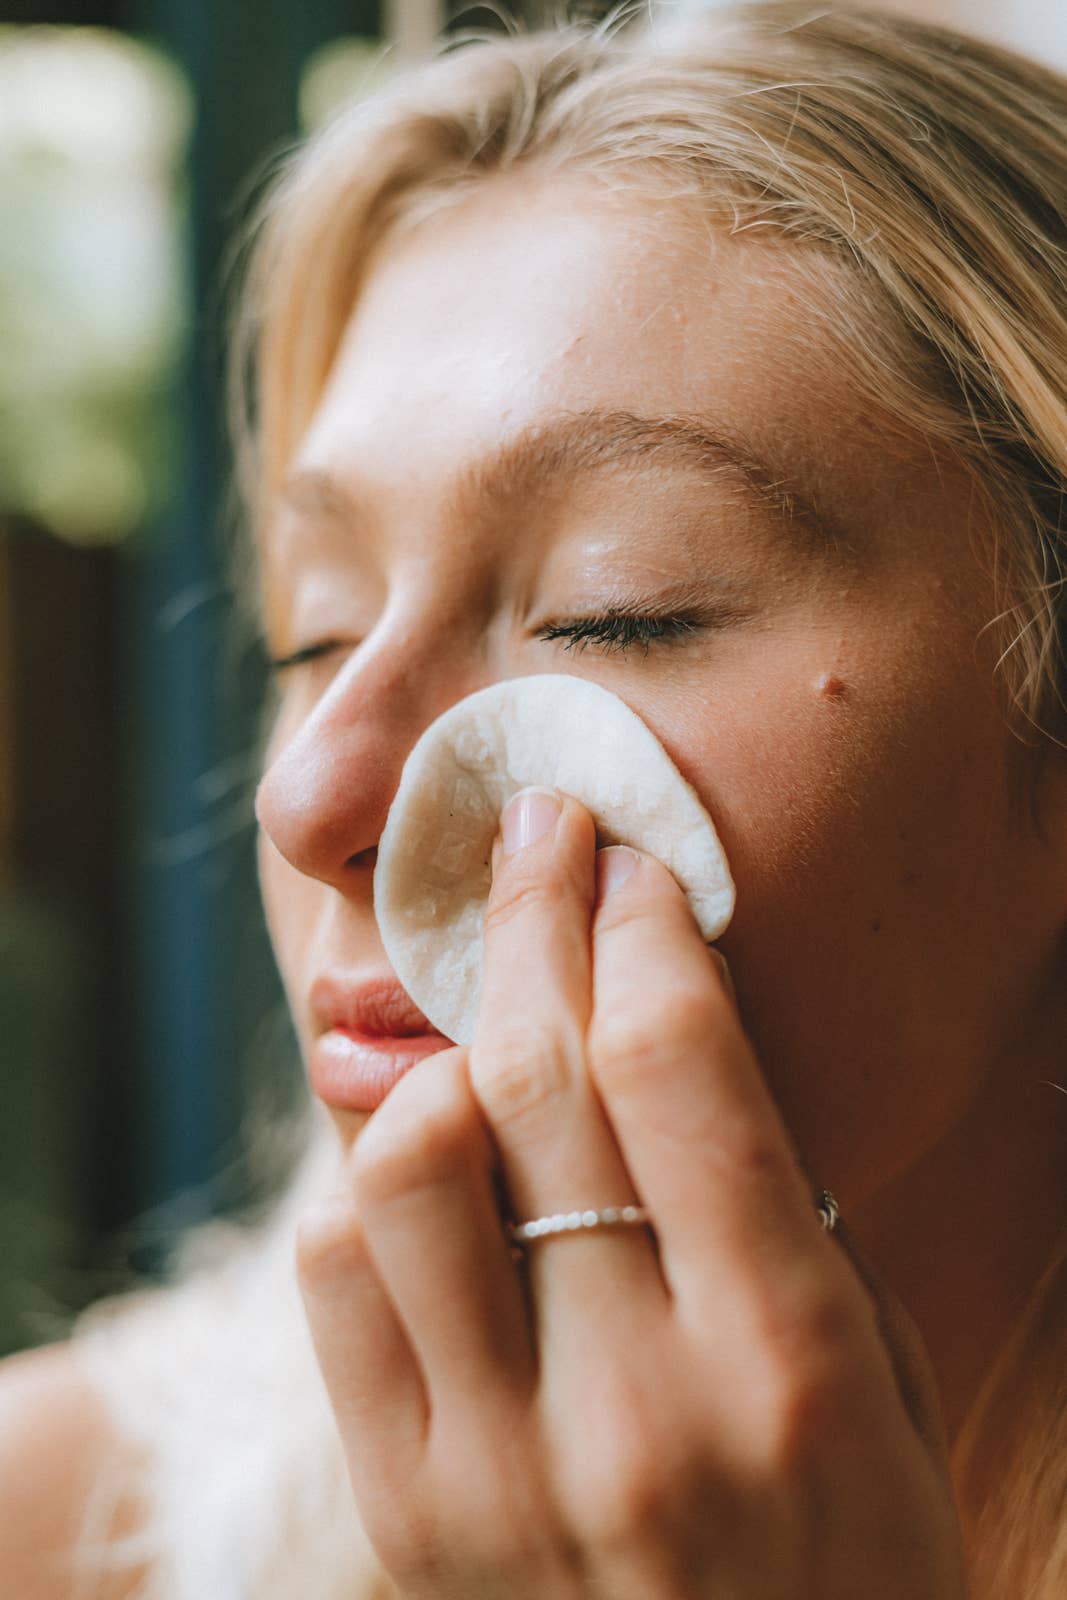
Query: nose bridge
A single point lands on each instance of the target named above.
(325, 795)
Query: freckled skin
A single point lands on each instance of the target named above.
(899, 814)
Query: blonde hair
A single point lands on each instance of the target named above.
(932, 168)
(924, 176)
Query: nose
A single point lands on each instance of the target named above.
(326, 793)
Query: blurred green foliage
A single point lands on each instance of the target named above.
(93, 302)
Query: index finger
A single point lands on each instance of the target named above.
(694, 1118)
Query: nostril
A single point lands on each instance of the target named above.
(365, 858)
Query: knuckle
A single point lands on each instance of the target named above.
(509, 1537)
(811, 1414)
(330, 1245)
(810, 1321)
(411, 1545)
(628, 1045)
(812, 1349)
(414, 1141)
(524, 1071)
(633, 1482)
(622, 1052)
(539, 883)
(493, 1509)
(517, 894)
(633, 1502)
(695, 1008)
(618, 911)
(754, 1156)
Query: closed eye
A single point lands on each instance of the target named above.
(619, 631)
(309, 652)
(614, 632)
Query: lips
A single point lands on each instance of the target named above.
(375, 1006)
(369, 1034)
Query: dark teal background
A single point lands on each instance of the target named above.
(141, 1026)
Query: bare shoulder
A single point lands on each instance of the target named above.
(56, 1444)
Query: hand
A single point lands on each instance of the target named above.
(707, 1409)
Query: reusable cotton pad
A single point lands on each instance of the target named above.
(432, 878)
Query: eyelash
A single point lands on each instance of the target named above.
(616, 631)
(298, 658)
(619, 631)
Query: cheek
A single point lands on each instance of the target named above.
(790, 770)
(792, 794)
(828, 772)
(858, 817)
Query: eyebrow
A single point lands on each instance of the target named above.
(569, 443)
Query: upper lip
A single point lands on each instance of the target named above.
(377, 1006)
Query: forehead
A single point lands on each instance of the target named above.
(531, 298)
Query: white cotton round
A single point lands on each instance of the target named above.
(431, 883)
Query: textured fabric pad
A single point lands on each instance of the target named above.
(432, 877)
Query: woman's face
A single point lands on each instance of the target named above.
(550, 405)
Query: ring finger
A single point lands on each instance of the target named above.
(528, 1066)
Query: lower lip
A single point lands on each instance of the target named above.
(355, 1071)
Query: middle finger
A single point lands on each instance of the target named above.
(528, 1060)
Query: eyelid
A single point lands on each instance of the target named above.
(622, 629)
(618, 627)
(305, 654)
(677, 613)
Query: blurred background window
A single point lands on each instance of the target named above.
(141, 1027)
(94, 314)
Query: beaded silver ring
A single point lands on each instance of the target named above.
(561, 1222)
(577, 1222)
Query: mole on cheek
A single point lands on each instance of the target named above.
(829, 687)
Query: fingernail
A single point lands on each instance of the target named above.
(528, 816)
(613, 866)
(725, 973)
